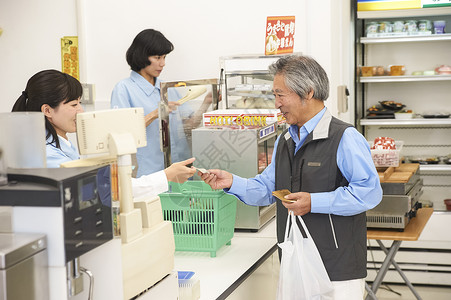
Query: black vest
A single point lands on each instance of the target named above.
(314, 169)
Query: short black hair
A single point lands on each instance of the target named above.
(147, 43)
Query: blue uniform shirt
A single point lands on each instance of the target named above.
(354, 161)
(56, 156)
(136, 91)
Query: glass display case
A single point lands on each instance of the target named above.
(245, 152)
(247, 81)
(180, 110)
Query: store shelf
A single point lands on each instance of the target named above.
(405, 39)
(435, 168)
(404, 78)
(408, 122)
(250, 95)
(402, 13)
(248, 73)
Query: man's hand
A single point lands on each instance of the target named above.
(303, 204)
(217, 179)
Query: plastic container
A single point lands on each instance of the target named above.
(439, 26)
(412, 27)
(203, 219)
(398, 26)
(371, 29)
(424, 25)
(403, 115)
(368, 71)
(397, 70)
(189, 288)
(386, 158)
(385, 27)
(447, 203)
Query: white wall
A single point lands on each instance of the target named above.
(31, 42)
(201, 30)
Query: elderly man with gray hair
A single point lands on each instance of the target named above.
(326, 164)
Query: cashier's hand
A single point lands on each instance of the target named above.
(217, 179)
(303, 204)
(173, 105)
(209, 99)
(153, 115)
(179, 172)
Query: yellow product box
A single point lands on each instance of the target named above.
(370, 5)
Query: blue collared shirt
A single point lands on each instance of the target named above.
(136, 91)
(57, 156)
(354, 161)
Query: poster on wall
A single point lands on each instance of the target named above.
(279, 35)
(69, 56)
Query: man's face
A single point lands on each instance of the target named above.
(289, 103)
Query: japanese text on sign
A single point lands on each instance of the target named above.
(69, 56)
(279, 35)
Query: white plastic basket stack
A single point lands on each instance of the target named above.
(386, 158)
(189, 287)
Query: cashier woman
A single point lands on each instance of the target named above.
(57, 95)
(146, 57)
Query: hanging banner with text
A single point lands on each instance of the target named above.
(69, 56)
(279, 35)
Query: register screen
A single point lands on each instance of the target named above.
(87, 192)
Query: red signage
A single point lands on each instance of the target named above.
(279, 35)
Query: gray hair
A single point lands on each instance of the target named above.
(302, 74)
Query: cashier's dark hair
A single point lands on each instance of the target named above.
(302, 74)
(48, 87)
(148, 42)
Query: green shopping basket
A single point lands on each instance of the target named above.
(203, 219)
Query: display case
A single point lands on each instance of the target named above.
(423, 92)
(247, 81)
(180, 110)
(245, 152)
(421, 89)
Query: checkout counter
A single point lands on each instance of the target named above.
(233, 267)
(73, 215)
(74, 208)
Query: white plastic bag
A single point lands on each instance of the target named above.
(302, 273)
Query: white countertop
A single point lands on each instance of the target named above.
(217, 274)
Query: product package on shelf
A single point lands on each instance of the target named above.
(386, 152)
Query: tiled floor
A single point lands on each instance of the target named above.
(425, 292)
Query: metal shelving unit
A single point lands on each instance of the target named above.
(407, 122)
(406, 39)
(435, 168)
(421, 136)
